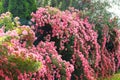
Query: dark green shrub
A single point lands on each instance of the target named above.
(22, 8)
(4, 6)
(61, 4)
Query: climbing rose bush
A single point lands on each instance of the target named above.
(77, 42)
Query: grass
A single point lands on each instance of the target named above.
(114, 77)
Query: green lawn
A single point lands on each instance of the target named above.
(114, 77)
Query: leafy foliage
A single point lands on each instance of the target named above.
(61, 4)
(22, 8)
(23, 65)
(4, 6)
(8, 22)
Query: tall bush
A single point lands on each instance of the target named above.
(90, 59)
(4, 6)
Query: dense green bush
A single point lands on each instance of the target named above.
(4, 6)
(61, 4)
(22, 8)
